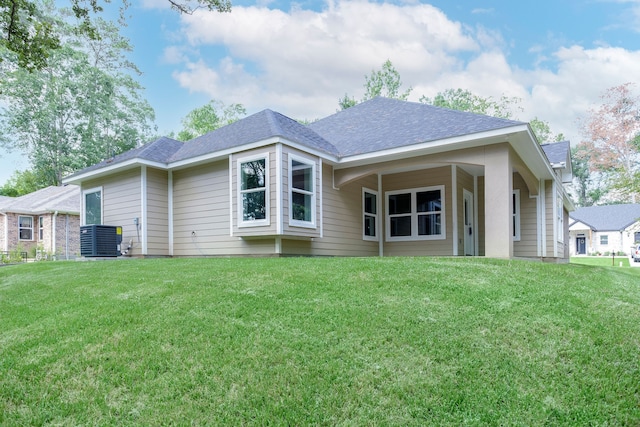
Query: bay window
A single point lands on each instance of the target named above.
(302, 192)
(253, 184)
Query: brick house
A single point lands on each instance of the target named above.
(47, 219)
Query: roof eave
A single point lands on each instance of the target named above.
(111, 169)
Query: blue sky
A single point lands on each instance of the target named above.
(299, 58)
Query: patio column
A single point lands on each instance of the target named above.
(498, 201)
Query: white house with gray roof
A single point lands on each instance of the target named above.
(604, 229)
(382, 178)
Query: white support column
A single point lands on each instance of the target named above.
(143, 207)
(381, 219)
(454, 208)
(498, 202)
(170, 219)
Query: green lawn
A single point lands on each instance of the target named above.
(319, 341)
(602, 261)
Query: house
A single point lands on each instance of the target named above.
(47, 219)
(604, 229)
(382, 178)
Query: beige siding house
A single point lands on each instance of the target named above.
(46, 221)
(383, 178)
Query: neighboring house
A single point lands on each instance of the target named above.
(382, 178)
(47, 219)
(603, 229)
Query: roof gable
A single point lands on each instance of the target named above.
(384, 123)
(608, 217)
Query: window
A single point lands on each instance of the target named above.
(302, 192)
(604, 240)
(40, 228)
(92, 205)
(416, 214)
(560, 217)
(515, 212)
(370, 214)
(25, 227)
(253, 192)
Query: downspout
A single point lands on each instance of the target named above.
(53, 234)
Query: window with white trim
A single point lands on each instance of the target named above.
(302, 192)
(369, 214)
(560, 218)
(604, 239)
(252, 191)
(515, 214)
(25, 227)
(416, 214)
(40, 228)
(92, 206)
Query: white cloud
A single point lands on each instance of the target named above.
(301, 61)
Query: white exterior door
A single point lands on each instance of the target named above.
(469, 227)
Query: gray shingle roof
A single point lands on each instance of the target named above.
(608, 217)
(374, 125)
(50, 199)
(383, 123)
(557, 152)
(257, 127)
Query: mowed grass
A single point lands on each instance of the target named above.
(602, 261)
(311, 341)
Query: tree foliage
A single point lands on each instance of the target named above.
(587, 186)
(465, 100)
(28, 36)
(21, 183)
(210, 116)
(83, 107)
(384, 82)
(612, 133)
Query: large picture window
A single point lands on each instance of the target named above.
(302, 192)
(369, 214)
(92, 206)
(253, 184)
(25, 227)
(416, 214)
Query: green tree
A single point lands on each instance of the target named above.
(384, 82)
(28, 35)
(210, 116)
(588, 190)
(21, 183)
(543, 132)
(83, 107)
(464, 100)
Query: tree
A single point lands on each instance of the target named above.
(83, 107)
(543, 133)
(384, 82)
(611, 136)
(586, 185)
(21, 183)
(464, 100)
(28, 36)
(210, 116)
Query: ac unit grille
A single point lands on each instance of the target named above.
(100, 240)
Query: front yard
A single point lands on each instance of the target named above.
(319, 341)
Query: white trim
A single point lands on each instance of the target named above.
(380, 230)
(128, 164)
(376, 216)
(476, 236)
(320, 201)
(83, 208)
(313, 193)
(170, 200)
(516, 215)
(414, 215)
(231, 195)
(20, 239)
(267, 190)
(454, 208)
(554, 198)
(41, 227)
(143, 208)
(543, 217)
(279, 204)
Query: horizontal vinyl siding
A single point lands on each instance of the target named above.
(418, 179)
(157, 212)
(550, 199)
(465, 182)
(480, 209)
(342, 221)
(528, 244)
(201, 206)
(122, 203)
